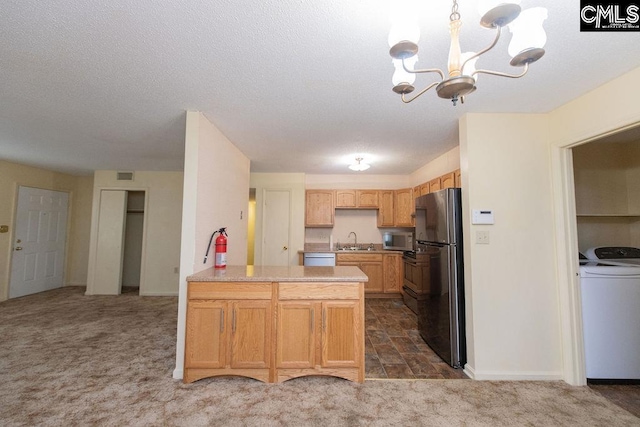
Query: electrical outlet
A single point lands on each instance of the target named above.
(482, 237)
(323, 236)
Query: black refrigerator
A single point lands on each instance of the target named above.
(441, 317)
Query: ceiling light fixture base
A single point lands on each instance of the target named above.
(403, 50)
(456, 87)
(501, 15)
(527, 56)
(403, 88)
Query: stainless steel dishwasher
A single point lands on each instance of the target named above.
(325, 259)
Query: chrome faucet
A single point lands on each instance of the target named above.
(355, 244)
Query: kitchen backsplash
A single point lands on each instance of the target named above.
(362, 222)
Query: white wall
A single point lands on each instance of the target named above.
(216, 191)
(510, 284)
(357, 182)
(448, 162)
(524, 318)
(161, 245)
(280, 181)
(13, 175)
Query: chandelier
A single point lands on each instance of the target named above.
(358, 166)
(526, 47)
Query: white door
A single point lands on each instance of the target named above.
(275, 227)
(110, 247)
(37, 263)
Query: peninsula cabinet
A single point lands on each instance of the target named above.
(275, 323)
(319, 208)
(228, 330)
(320, 330)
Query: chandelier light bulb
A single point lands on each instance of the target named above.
(527, 30)
(400, 75)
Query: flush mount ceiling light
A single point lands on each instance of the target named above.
(358, 166)
(525, 48)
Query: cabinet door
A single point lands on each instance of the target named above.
(392, 268)
(416, 191)
(424, 188)
(251, 334)
(434, 185)
(341, 334)
(319, 210)
(385, 214)
(205, 345)
(457, 179)
(345, 198)
(448, 180)
(373, 270)
(296, 335)
(367, 198)
(403, 207)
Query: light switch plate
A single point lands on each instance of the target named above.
(482, 237)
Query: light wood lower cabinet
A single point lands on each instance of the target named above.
(370, 264)
(320, 336)
(392, 268)
(228, 338)
(274, 331)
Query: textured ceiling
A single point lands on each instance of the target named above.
(296, 85)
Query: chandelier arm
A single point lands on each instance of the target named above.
(485, 50)
(426, 70)
(497, 73)
(419, 93)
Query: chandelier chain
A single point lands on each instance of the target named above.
(455, 15)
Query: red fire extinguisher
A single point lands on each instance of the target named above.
(220, 248)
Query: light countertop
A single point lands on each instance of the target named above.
(265, 273)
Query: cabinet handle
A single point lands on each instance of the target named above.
(233, 321)
(311, 322)
(222, 320)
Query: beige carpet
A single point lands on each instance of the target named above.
(68, 359)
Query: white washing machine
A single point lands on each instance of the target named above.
(610, 286)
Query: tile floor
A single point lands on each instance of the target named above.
(394, 348)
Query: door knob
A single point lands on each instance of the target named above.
(284, 248)
(18, 248)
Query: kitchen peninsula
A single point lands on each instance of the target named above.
(275, 323)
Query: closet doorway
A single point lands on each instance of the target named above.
(120, 242)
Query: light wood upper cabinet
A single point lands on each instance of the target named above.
(362, 199)
(424, 189)
(319, 208)
(385, 212)
(367, 198)
(435, 185)
(346, 199)
(417, 192)
(392, 268)
(458, 179)
(403, 207)
(447, 181)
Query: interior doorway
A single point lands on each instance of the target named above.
(37, 262)
(132, 256)
(120, 243)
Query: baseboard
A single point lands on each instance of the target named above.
(178, 374)
(512, 376)
(159, 294)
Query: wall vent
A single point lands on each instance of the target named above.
(125, 176)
